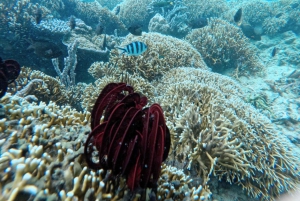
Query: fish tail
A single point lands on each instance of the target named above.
(121, 50)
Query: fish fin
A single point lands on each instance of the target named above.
(121, 50)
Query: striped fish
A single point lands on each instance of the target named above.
(134, 49)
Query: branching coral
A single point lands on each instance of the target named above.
(107, 74)
(217, 133)
(224, 46)
(213, 8)
(132, 11)
(45, 163)
(93, 13)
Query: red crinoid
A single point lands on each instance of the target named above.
(127, 139)
(9, 71)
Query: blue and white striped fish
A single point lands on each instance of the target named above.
(134, 49)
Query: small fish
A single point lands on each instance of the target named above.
(87, 1)
(274, 51)
(117, 9)
(38, 15)
(278, 15)
(135, 29)
(198, 22)
(294, 5)
(72, 22)
(104, 43)
(249, 32)
(162, 4)
(238, 17)
(45, 49)
(99, 28)
(134, 49)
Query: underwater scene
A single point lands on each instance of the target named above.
(148, 100)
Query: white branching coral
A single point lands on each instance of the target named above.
(216, 133)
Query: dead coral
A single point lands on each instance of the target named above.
(218, 133)
(223, 46)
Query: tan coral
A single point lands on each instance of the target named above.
(223, 46)
(44, 162)
(163, 53)
(132, 11)
(109, 74)
(219, 134)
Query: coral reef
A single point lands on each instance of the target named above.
(217, 133)
(41, 157)
(132, 11)
(109, 4)
(223, 46)
(159, 24)
(174, 22)
(36, 86)
(273, 17)
(94, 12)
(164, 53)
(51, 28)
(107, 74)
(213, 8)
(67, 75)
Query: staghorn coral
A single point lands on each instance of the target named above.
(17, 17)
(216, 133)
(45, 162)
(224, 46)
(274, 25)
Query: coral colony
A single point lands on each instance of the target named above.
(130, 141)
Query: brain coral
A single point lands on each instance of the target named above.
(223, 46)
(216, 133)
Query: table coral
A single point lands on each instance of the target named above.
(223, 46)
(217, 133)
